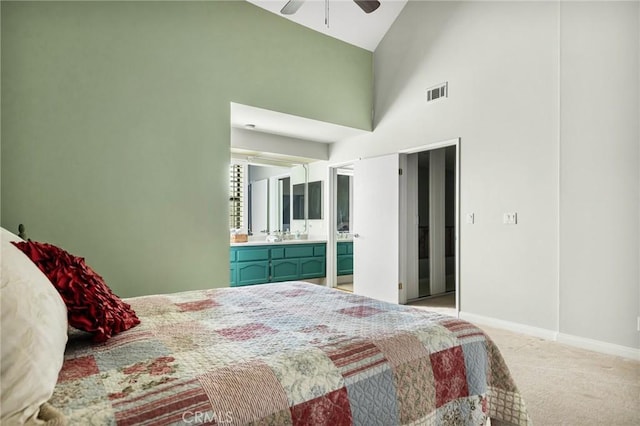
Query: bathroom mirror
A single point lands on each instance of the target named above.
(315, 199)
(269, 199)
(274, 198)
(343, 202)
(284, 204)
(298, 201)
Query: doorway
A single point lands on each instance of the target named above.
(432, 228)
(385, 227)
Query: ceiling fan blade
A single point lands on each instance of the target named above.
(291, 7)
(368, 5)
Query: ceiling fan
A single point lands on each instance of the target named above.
(292, 6)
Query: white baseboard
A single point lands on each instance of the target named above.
(599, 346)
(543, 333)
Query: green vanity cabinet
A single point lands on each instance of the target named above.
(273, 263)
(345, 257)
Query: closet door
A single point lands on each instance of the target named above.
(376, 228)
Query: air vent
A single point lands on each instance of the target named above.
(437, 92)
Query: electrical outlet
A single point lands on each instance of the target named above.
(638, 323)
(510, 218)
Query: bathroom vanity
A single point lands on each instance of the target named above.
(259, 262)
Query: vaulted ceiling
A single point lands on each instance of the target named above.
(347, 21)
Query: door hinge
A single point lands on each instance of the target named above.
(400, 172)
(399, 286)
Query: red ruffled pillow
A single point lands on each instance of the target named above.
(91, 304)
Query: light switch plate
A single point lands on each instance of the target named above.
(510, 218)
(470, 218)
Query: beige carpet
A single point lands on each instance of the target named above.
(563, 385)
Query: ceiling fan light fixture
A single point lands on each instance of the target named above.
(291, 7)
(368, 6)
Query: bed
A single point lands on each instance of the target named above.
(289, 353)
(275, 354)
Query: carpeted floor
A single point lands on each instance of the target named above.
(563, 385)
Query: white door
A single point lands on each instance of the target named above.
(260, 207)
(376, 228)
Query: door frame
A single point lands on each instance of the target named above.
(404, 246)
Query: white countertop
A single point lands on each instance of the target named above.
(267, 243)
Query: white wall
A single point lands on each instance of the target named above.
(503, 63)
(599, 180)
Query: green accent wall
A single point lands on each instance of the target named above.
(115, 125)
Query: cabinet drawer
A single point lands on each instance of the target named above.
(319, 250)
(277, 252)
(245, 255)
(342, 248)
(345, 247)
(232, 255)
(303, 250)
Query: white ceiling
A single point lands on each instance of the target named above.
(347, 22)
(293, 126)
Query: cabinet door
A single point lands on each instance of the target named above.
(248, 273)
(345, 264)
(312, 267)
(232, 275)
(285, 270)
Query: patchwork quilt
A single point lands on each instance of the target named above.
(286, 354)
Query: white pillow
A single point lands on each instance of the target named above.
(33, 322)
(9, 236)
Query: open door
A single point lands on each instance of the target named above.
(376, 228)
